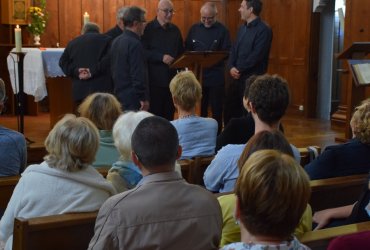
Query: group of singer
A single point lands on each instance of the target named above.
(133, 59)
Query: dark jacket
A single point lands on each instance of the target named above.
(344, 159)
(214, 38)
(129, 70)
(89, 50)
(157, 42)
(114, 32)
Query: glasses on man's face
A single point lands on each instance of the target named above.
(168, 11)
(207, 18)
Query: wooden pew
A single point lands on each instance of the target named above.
(7, 185)
(320, 239)
(186, 168)
(103, 170)
(336, 192)
(57, 232)
(199, 167)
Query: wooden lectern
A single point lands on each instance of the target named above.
(354, 55)
(199, 60)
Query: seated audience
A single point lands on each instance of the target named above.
(197, 135)
(348, 158)
(262, 140)
(102, 109)
(272, 194)
(65, 182)
(268, 100)
(13, 153)
(124, 174)
(354, 213)
(163, 211)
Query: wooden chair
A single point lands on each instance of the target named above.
(103, 170)
(186, 168)
(7, 185)
(320, 239)
(336, 192)
(306, 154)
(57, 232)
(198, 169)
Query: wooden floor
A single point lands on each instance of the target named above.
(300, 132)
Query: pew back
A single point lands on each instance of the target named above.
(336, 192)
(57, 232)
(7, 185)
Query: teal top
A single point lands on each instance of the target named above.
(107, 153)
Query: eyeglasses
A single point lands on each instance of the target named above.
(207, 18)
(168, 11)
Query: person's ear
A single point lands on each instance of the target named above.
(251, 106)
(135, 159)
(179, 152)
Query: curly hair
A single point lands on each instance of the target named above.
(360, 122)
(269, 95)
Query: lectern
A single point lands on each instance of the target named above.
(199, 60)
(355, 55)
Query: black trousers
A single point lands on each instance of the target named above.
(234, 100)
(161, 102)
(213, 96)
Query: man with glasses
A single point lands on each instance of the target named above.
(118, 29)
(13, 153)
(249, 55)
(128, 66)
(162, 42)
(210, 35)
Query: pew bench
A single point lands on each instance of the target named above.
(57, 232)
(7, 185)
(336, 192)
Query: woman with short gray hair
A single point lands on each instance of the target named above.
(65, 182)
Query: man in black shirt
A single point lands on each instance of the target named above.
(128, 63)
(210, 35)
(162, 42)
(86, 61)
(249, 55)
(118, 29)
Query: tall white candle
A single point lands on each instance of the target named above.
(86, 18)
(18, 39)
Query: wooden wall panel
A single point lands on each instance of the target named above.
(95, 8)
(51, 36)
(70, 20)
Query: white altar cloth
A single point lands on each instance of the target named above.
(34, 75)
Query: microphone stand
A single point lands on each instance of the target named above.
(20, 95)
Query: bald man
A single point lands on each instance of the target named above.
(209, 34)
(162, 42)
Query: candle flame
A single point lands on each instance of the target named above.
(17, 26)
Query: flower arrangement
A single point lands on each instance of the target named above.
(37, 18)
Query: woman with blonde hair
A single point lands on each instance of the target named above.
(350, 158)
(272, 193)
(197, 135)
(65, 182)
(103, 109)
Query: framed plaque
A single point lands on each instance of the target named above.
(14, 11)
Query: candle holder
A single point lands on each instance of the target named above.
(20, 95)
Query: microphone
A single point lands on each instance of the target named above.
(213, 45)
(203, 45)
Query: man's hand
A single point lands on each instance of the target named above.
(167, 59)
(144, 105)
(84, 73)
(234, 72)
(322, 218)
